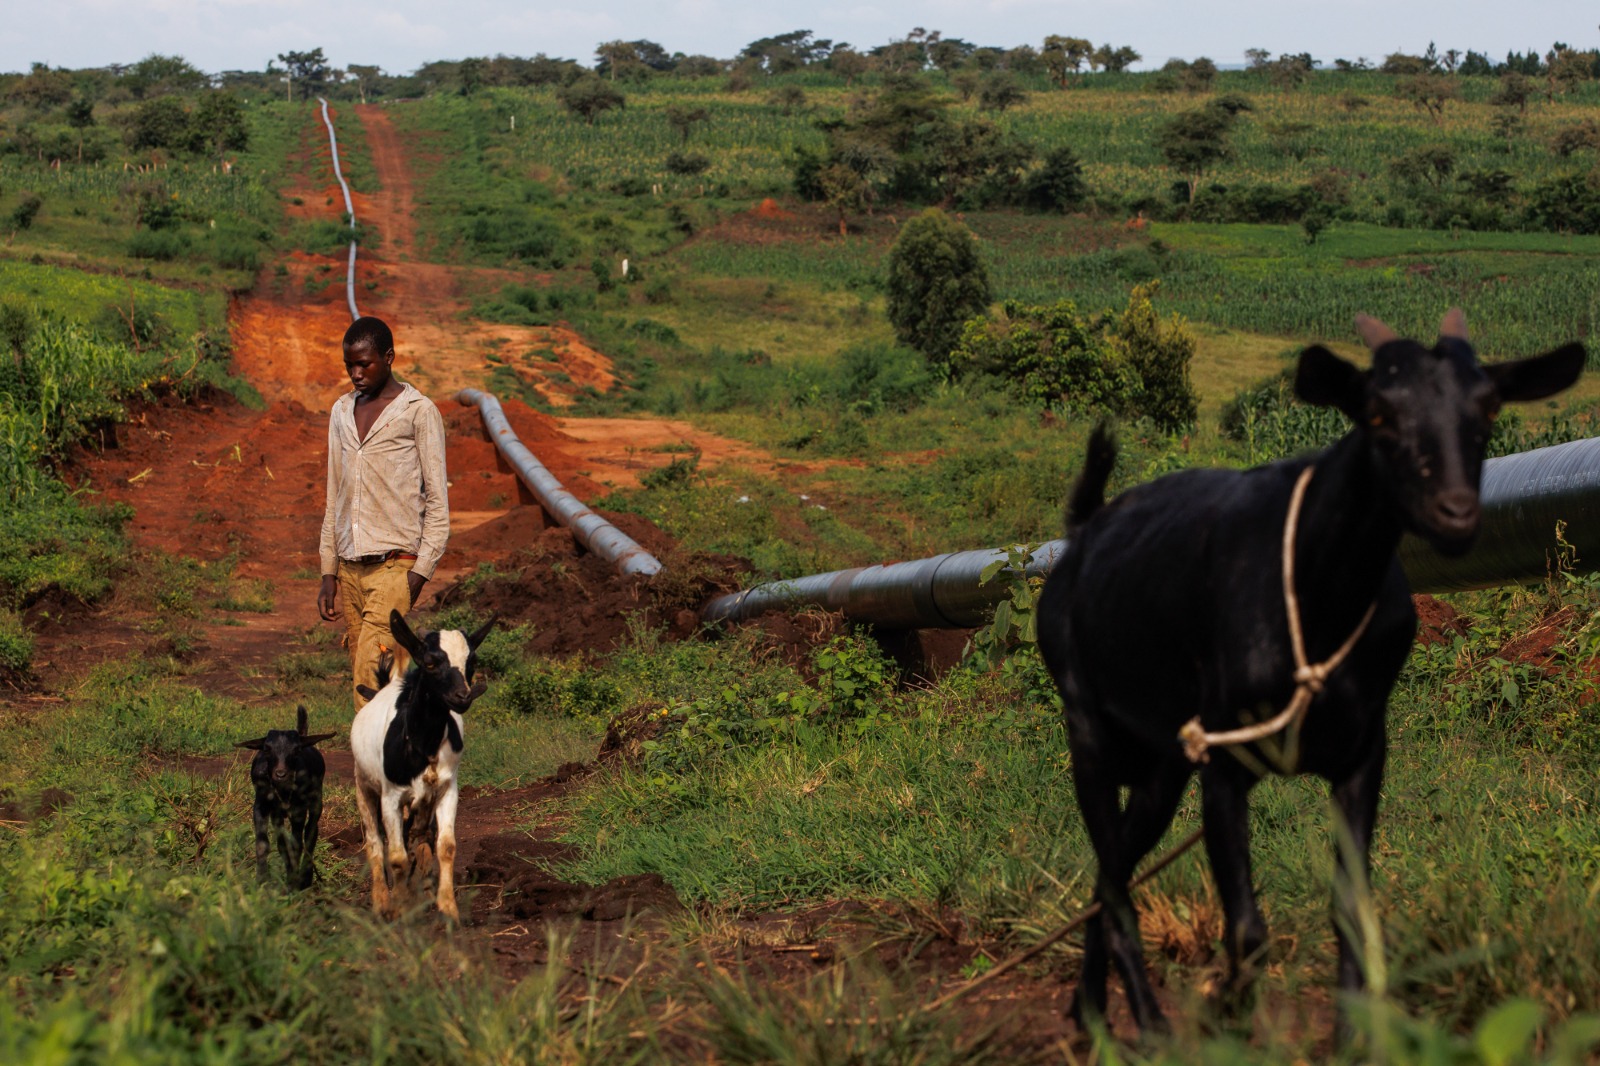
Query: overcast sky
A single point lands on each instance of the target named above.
(399, 35)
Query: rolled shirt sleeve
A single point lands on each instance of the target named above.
(329, 548)
(435, 488)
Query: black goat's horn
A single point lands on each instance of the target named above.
(1374, 334)
(1454, 324)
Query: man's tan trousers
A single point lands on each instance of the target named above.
(370, 591)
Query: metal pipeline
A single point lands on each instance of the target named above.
(1523, 497)
(592, 531)
(350, 209)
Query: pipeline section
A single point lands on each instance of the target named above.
(592, 531)
(1524, 496)
(350, 210)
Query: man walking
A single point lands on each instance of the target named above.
(387, 516)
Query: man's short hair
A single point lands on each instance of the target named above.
(369, 330)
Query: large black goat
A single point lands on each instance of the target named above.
(1212, 601)
(287, 773)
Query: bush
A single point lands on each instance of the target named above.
(26, 211)
(160, 245)
(16, 323)
(1052, 355)
(687, 164)
(937, 281)
(1272, 423)
(1160, 354)
(16, 644)
(1058, 185)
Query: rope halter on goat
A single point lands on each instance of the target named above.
(1308, 677)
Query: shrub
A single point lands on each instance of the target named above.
(1051, 354)
(16, 323)
(16, 644)
(687, 164)
(937, 281)
(1058, 185)
(161, 245)
(1160, 354)
(1272, 424)
(26, 211)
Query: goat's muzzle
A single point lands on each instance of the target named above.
(460, 705)
(1452, 521)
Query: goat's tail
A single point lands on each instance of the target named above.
(1089, 494)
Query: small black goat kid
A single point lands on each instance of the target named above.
(1223, 599)
(287, 772)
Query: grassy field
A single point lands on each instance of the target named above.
(133, 930)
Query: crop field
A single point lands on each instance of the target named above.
(789, 840)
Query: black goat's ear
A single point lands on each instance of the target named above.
(402, 633)
(367, 692)
(253, 745)
(1538, 376)
(1325, 380)
(477, 636)
(300, 722)
(315, 738)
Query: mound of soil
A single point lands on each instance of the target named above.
(575, 601)
(1437, 621)
(627, 732)
(25, 809)
(518, 866)
(769, 208)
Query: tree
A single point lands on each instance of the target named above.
(1428, 93)
(1114, 60)
(787, 51)
(1193, 142)
(1199, 76)
(849, 64)
(1160, 354)
(787, 98)
(631, 58)
(1058, 185)
(1000, 90)
(365, 77)
(1291, 71)
(310, 69)
(936, 283)
(684, 118)
(471, 72)
(964, 156)
(1258, 59)
(966, 83)
(1567, 68)
(218, 125)
(1064, 56)
(1430, 165)
(590, 96)
(159, 123)
(1405, 65)
(156, 74)
(42, 87)
(1514, 91)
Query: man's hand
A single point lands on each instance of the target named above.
(326, 594)
(416, 581)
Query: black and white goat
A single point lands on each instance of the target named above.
(287, 773)
(1207, 602)
(407, 744)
